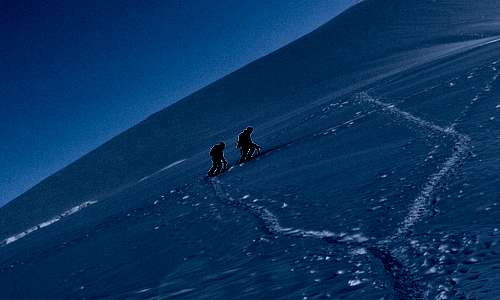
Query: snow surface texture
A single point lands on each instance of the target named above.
(379, 177)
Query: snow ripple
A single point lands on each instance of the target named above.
(47, 223)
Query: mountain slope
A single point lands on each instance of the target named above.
(379, 180)
(330, 58)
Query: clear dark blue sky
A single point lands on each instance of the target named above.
(76, 73)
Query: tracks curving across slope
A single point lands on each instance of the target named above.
(420, 207)
(393, 250)
(271, 223)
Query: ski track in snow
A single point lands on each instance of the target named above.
(420, 206)
(272, 225)
(55, 219)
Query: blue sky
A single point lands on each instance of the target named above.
(74, 74)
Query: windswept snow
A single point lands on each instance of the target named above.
(47, 223)
(175, 163)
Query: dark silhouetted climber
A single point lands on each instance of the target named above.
(219, 163)
(246, 145)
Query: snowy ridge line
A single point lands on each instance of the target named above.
(490, 42)
(47, 223)
(272, 225)
(175, 163)
(421, 204)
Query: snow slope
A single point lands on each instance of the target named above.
(379, 178)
